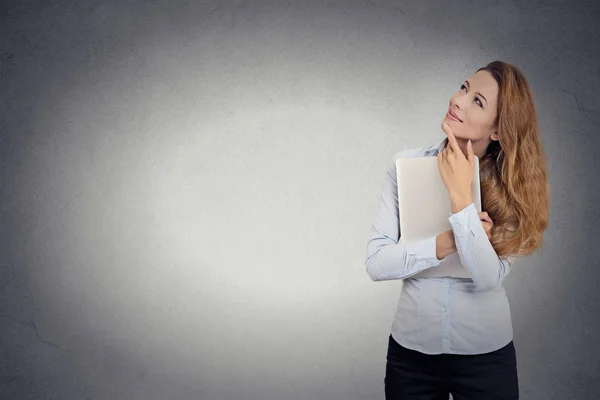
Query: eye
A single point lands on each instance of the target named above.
(477, 99)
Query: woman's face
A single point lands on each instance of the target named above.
(475, 105)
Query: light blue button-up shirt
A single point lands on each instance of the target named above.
(441, 314)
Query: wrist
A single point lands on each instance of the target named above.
(459, 201)
(444, 244)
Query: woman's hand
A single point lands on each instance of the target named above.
(487, 223)
(445, 244)
(455, 169)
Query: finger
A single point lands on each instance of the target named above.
(483, 216)
(470, 153)
(452, 143)
(487, 221)
(441, 163)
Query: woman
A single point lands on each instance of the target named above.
(449, 334)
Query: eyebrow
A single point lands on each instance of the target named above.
(469, 85)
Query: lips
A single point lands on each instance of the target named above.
(453, 115)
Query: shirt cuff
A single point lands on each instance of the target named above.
(464, 221)
(425, 251)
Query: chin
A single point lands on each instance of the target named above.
(456, 127)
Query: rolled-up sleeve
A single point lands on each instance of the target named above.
(386, 258)
(475, 250)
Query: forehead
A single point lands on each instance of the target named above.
(484, 83)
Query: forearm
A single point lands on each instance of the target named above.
(476, 252)
(387, 259)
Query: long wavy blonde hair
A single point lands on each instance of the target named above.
(514, 180)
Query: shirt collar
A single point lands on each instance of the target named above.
(440, 146)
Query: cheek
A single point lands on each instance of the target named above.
(478, 125)
(465, 130)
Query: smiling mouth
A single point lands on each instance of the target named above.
(452, 116)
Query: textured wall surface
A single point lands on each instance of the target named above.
(187, 189)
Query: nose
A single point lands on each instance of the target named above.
(456, 102)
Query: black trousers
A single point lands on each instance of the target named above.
(412, 375)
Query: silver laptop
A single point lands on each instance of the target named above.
(424, 208)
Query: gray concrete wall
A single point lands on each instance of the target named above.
(188, 187)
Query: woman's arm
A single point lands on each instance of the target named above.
(388, 259)
(475, 251)
(474, 248)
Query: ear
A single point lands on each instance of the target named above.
(494, 136)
